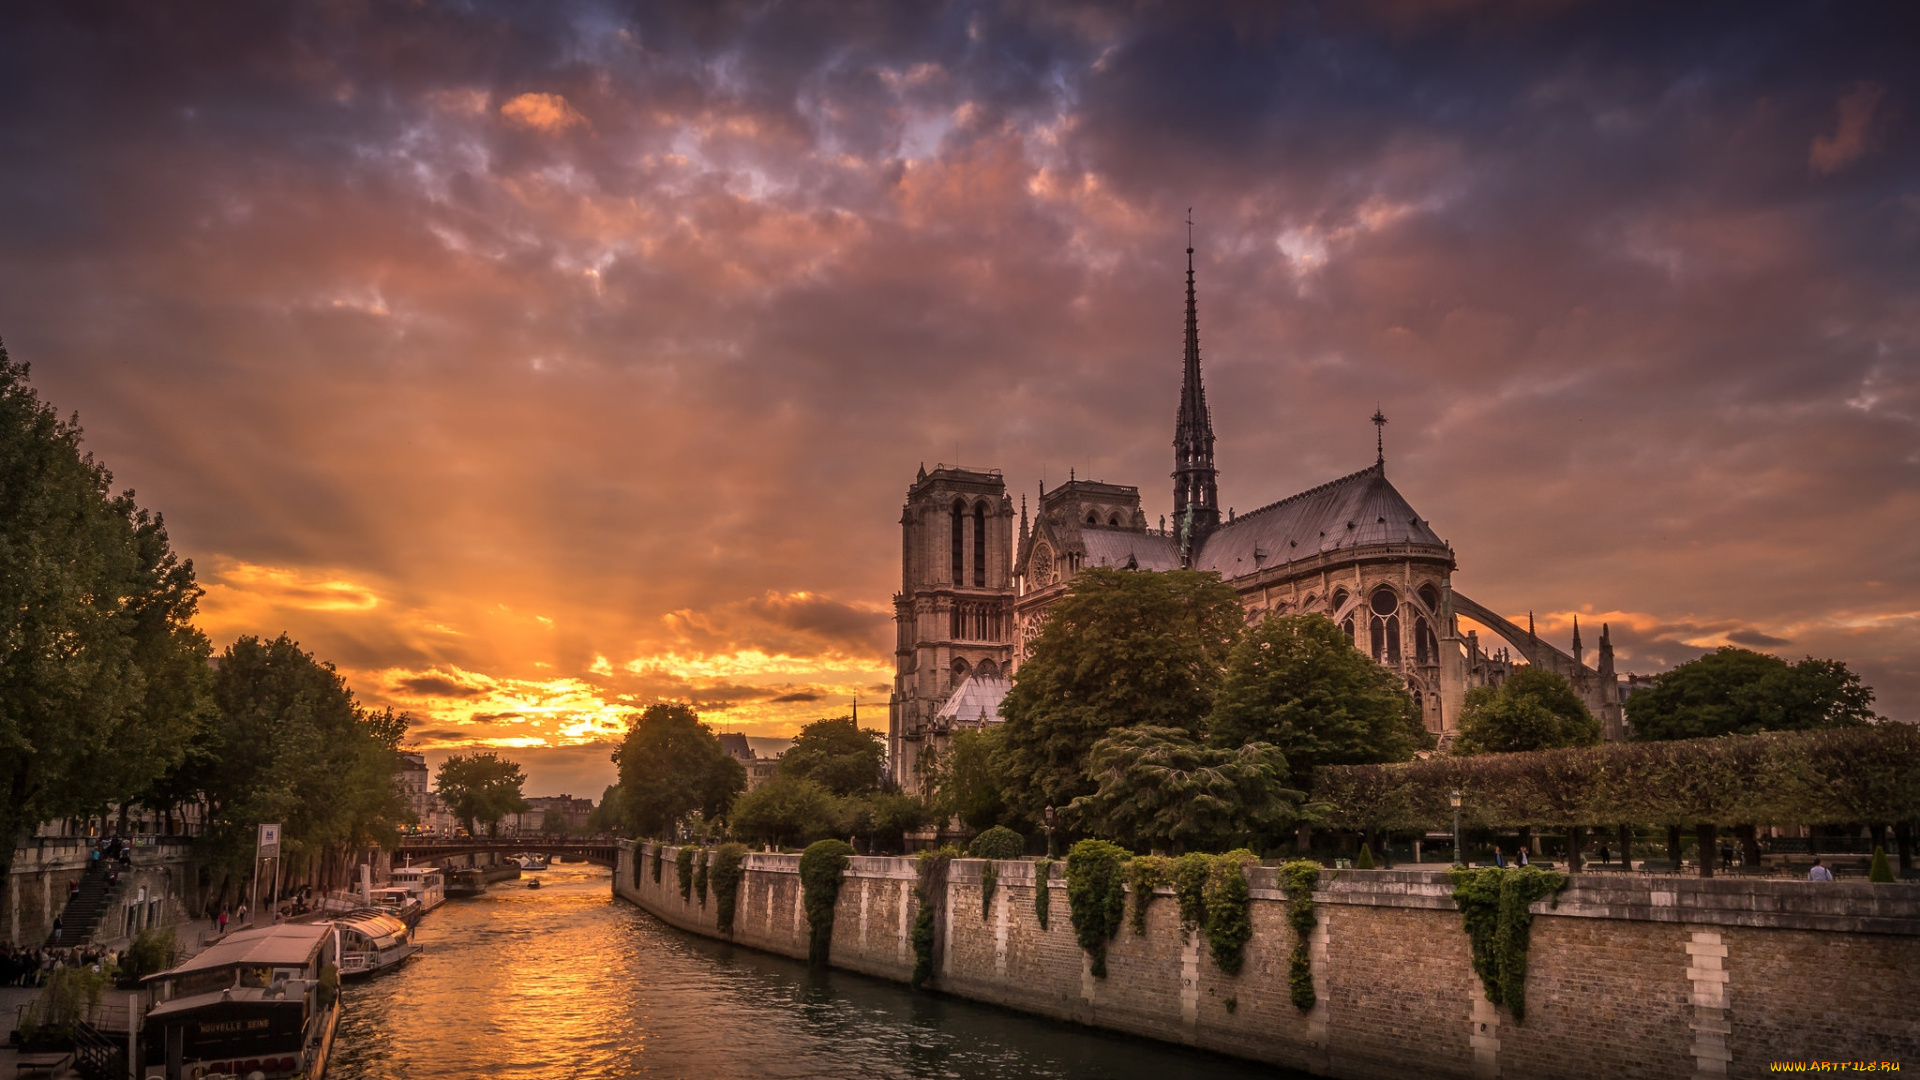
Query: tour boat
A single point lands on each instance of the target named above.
(397, 902)
(466, 881)
(372, 941)
(428, 884)
(262, 1002)
(533, 862)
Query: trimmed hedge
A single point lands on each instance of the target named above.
(1839, 776)
(998, 842)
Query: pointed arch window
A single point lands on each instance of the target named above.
(1423, 653)
(980, 546)
(959, 541)
(1379, 637)
(1393, 640)
(1347, 628)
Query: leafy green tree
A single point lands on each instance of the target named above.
(966, 781)
(672, 766)
(881, 820)
(1740, 692)
(1121, 649)
(290, 745)
(555, 823)
(1296, 682)
(609, 816)
(481, 788)
(845, 759)
(787, 811)
(1161, 788)
(1533, 710)
(103, 679)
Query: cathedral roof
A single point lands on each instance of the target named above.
(976, 700)
(1118, 547)
(1357, 510)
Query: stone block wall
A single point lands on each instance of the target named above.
(1627, 977)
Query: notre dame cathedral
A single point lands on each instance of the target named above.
(976, 583)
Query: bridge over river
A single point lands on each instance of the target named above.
(603, 850)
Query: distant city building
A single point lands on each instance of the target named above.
(759, 769)
(976, 588)
(416, 782)
(574, 812)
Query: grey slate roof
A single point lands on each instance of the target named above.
(1113, 547)
(1355, 510)
(978, 696)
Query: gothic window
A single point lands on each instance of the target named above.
(1347, 628)
(988, 670)
(1339, 599)
(953, 629)
(1379, 637)
(1419, 702)
(1114, 520)
(980, 546)
(1093, 518)
(1421, 650)
(1383, 602)
(1393, 640)
(959, 541)
(959, 671)
(1042, 566)
(1430, 596)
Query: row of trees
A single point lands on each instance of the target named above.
(110, 698)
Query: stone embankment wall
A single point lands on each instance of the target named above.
(1628, 976)
(159, 889)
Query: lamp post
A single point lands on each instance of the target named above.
(1459, 856)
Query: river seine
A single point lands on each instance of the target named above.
(565, 982)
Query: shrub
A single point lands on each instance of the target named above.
(683, 869)
(1880, 871)
(1298, 879)
(1495, 905)
(151, 952)
(1144, 874)
(930, 891)
(658, 857)
(1229, 909)
(1042, 890)
(700, 876)
(998, 842)
(725, 874)
(1365, 861)
(1096, 896)
(822, 867)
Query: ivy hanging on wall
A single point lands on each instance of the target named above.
(1190, 888)
(930, 891)
(1229, 906)
(658, 858)
(1042, 890)
(989, 880)
(726, 874)
(1096, 896)
(700, 876)
(683, 869)
(1298, 879)
(1495, 904)
(822, 866)
(1144, 874)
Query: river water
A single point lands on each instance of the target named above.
(564, 982)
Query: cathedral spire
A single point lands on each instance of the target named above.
(1195, 481)
(1577, 650)
(1379, 437)
(1023, 517)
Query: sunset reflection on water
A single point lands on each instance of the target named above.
(563, 982)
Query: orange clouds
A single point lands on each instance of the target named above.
(549, 113)
(1855, 133)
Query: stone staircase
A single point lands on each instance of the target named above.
(85, 907)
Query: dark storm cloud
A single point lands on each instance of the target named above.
(578, 350)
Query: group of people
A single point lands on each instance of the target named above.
(30, 967)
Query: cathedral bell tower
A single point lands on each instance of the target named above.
(1196, 496)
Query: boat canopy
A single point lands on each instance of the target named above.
(288, 945)
(372, 924)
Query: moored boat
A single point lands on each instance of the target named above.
(427, 884)
(533, 862)
(466, 881)
(398, 903)
(372, 941)
(260, 1002)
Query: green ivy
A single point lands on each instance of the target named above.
(658, 857)
(1298, 879)
(822, 866)
(989, 880)
(930, 891)
(1144, 874)
(1042, 890)
(1495, 905)
(1229, 909)
(726, 874)
(683, 868)
(1190, 888)
(700, 876)
(1096, 896)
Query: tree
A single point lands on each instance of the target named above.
(1161, 788)
(555, 823)
(1534, 709)
(1121, 649)
(845, 759)
(965, 782)
(481, 787)
(672, 766)
(103, 679)
(786, 811)
(1297, 683)
(610, 815)
(1741, 692)
(883, 819)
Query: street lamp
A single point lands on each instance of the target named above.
(1459, 856)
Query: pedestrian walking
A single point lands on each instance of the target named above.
(1819, 873)
(58, 929)
(223, 918)
(1522, 860)
(1606, 857)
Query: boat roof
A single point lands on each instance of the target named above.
(371, 923)
(285, 945)
(415, 871)
(243, 995)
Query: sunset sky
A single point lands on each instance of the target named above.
(535, 362)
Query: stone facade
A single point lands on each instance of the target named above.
(1627, 977)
